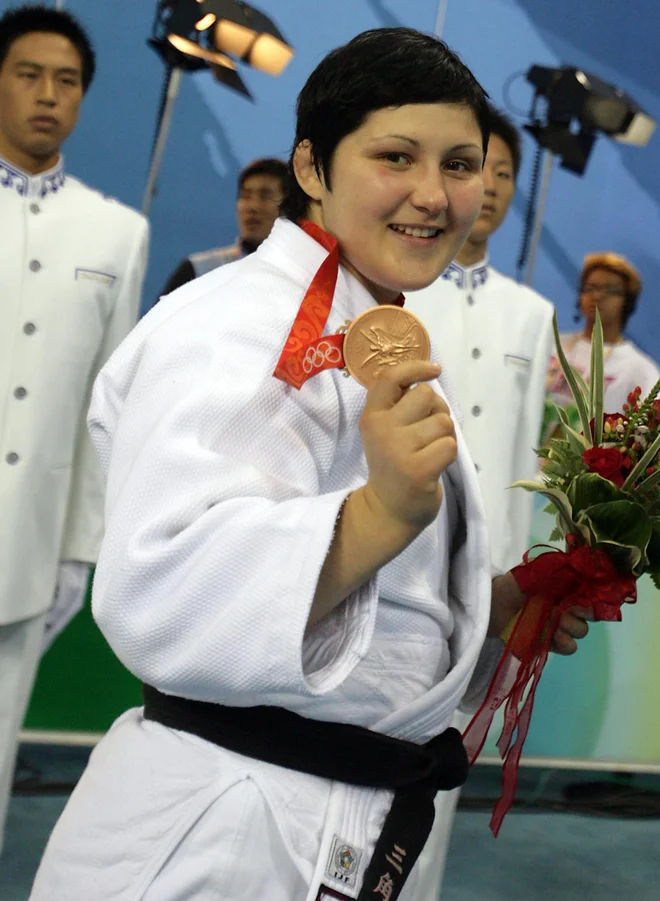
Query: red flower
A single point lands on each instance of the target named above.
(607, 462)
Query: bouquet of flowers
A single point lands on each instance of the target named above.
(603, 484)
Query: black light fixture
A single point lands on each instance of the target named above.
(579, 105)
(248, 34)
(190, 35)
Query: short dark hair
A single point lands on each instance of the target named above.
(24, 20)
(266, 166)
(503, 127)
(384, 67)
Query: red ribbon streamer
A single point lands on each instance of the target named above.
(553, 582)
(307, 351)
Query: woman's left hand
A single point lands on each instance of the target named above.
(507, 600)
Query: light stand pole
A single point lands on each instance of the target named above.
(537, 228)
(171, 87)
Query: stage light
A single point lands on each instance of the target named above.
(191, 35)
(249, 34)
(580, 105)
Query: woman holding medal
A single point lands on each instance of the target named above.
(296, 560)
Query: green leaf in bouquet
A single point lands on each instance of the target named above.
(564, 463)
(653, 547)
(620, 524)
(655, 578)
(576, 441)
(597, 377)
(589, 489)
(648, 483)
(582, 385)
(645, 460)
(569, 375)
(558, 499)
(556, 534)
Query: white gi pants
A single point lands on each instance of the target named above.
(161, 815)
(20, 651)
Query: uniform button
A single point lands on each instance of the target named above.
(35, 265)
(476, 353)
(12, 458)
(35, 208)
(29, 328)
(476, 411)
(20, 393)
(477, 467)
(470, 299)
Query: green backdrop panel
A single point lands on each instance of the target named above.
(81, 686)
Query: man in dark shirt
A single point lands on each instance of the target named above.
(260, 192)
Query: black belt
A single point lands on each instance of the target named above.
(343, 753)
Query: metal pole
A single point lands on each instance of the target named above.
(538, 217)
(173, 81)
(440, 18)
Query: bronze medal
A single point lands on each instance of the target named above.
(380, 337)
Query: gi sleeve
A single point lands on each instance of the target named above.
(84, 521)
(217, 523)
(490, 656)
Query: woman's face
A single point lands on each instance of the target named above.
(604, 291)
(406, 188)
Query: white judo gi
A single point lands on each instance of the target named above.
(224, 487)
(71, 269)
(493, 338)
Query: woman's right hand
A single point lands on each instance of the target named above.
(409, 440)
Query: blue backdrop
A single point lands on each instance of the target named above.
(215, 132)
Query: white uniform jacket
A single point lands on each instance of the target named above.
(493, 338)
(71, 269)
(224, 487)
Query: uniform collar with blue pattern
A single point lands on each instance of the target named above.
(468, 277)
(25, 185)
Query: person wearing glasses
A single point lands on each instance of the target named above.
(260, 193)
(610, 284)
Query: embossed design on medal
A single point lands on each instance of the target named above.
(381, 337)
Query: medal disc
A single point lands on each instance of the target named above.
(382, 337)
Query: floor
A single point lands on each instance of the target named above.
(543, 852)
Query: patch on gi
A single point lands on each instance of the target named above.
(92, 275)
(343, 861)
(328, 894)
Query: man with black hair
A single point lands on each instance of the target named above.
(493, 338)
(71, 269)
(261, 187)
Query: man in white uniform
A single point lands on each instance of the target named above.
(294, 564)
(493, 338)
(71, 269)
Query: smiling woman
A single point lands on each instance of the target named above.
(280, 544)
(401, 205)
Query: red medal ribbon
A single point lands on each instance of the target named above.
(554, 581)
(307, 350)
